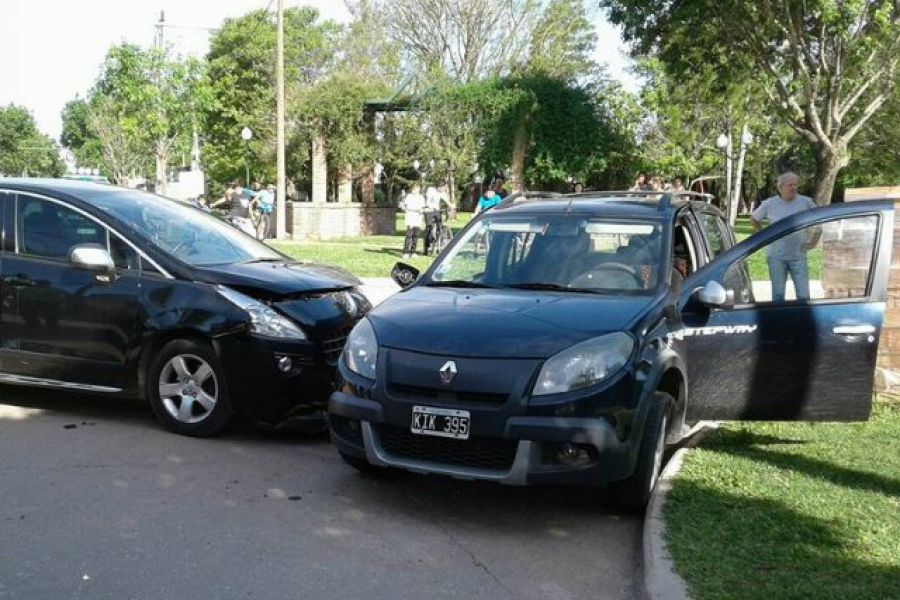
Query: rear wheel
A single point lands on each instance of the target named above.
(186, 389)
(632, 494)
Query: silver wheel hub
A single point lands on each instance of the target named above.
(188, 388)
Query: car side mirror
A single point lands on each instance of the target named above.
(715, 294)
(404, 275)
(92, 257)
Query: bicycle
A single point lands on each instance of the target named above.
(438, 234)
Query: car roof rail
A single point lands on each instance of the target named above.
(663, 198)
(518, 196)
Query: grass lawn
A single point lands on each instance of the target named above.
(371, 256)
(791, 511)
(759, 268)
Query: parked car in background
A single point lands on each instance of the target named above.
(568, 340)
(115, 291)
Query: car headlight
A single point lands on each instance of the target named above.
(584, 364)
(264, 320)
(361, 350)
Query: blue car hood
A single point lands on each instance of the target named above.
(498, 323)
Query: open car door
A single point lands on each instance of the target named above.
(753, 355)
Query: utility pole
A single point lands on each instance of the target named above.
(281, 204)
(160, 151)
(159, 42)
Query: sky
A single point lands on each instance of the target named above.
(50, 51)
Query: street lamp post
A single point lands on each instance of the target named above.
(247, 135)
(733, 181)
(724, 144)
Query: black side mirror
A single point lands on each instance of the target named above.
(404, 275)
(714, 294)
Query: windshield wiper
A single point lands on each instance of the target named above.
(552, 287)
(263, 259)
(463, 283)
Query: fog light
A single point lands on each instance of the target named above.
(570, 455)
(285, 364)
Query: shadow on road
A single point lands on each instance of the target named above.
(81, 409)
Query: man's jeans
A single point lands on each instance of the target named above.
(778, 270)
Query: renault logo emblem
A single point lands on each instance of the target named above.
(448, 372)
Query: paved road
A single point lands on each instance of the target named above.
(98, 502)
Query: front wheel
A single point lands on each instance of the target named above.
(186, 389)
(632, 494)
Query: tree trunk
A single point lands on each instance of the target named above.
(520, 152)
(829, 162)
(451, 190)
(162, 167)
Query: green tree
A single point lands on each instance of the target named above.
(157, 98)
(563, 41)
(78, 137)
(828, 66)
(463, 39)
(24, 150)
(240, 77)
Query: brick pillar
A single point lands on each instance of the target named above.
(319, 171)
(368, 186)
(345, 185)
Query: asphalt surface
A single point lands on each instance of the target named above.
(96, 501)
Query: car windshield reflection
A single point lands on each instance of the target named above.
(188, 234)
(555, 253)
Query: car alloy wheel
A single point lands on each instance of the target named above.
(188, 388)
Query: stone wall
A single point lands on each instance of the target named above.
(887, 373)
(324, 221)
(887, 376)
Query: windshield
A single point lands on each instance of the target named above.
(187, 233)
(560, 252)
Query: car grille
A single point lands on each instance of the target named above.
(414, 392)
(479, 453)
(333, 345)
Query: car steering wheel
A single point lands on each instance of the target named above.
(587, 276)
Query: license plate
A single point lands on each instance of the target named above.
(441, 422)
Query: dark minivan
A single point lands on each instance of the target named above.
(114, 291)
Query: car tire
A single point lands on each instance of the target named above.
(631, 495)
(367, 468)
(186, 389)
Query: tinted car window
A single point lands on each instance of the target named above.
(51, 230)
(187, 233)
(711, 228)
(123, 255)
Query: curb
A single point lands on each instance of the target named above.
(661, 582)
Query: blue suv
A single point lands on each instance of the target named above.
(569, 339)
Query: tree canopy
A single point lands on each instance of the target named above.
(25, 151)
(827, 66)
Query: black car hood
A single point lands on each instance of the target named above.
(279, 279)
(498, 323)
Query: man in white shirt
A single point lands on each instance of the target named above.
(787, 254)
(413, 204)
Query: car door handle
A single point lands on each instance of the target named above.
(854, 329)
(18, 280)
